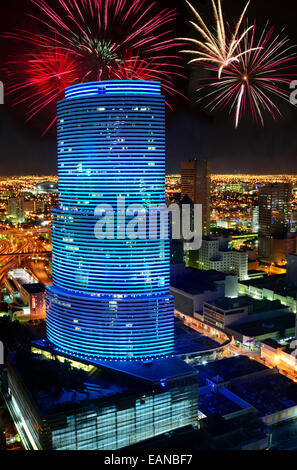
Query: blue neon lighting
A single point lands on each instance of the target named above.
(110, 298)
(115, 87)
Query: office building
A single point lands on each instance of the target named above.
(191, 288)
(276, 287)
(195, 183)
(217, 254)
(255, 219)
(15, 209)
(27, 291)
(273, 214)
(281, 246)
(244, 311)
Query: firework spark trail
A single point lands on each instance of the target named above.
(47, 76)
(99, 35)
(143, 24)
(217, 49)
(135, 67)
(256, 79)
(238, 107)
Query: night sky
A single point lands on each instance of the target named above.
(191, 131)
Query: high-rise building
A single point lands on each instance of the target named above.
(217, 253)
(273, 214)
(195, 183)
(110, 297)
(255, 219)
(15, 209)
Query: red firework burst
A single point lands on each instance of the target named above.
(40, 78)
(98, 39)
(136, 68)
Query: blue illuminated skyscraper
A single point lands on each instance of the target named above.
(110, 298)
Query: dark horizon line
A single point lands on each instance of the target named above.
(167, 174)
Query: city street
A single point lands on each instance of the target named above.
(27, 250)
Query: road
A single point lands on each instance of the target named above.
(6, 262)
(14, 249)
(39, 271)
(231, 349)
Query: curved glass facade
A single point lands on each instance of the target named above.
(110, 297)
(83, 263)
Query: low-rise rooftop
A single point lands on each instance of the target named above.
(229, 368)
(149, 371)
(22, 276)
(268, 393)
(59, 386)
(272, 343)
(213, 403)
(195, 281)
(189, 341)
(277, 283)
(280, 323)
(225, 303)
(34, 288)
(255, 306)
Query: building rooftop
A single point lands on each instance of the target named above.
(210, 238)
(229, 368)
(231, 304)
(256, 306)
(150, 371)
(113, 87)
(22, 276)
(284, 321)
(59, 386)
(154, 371)
(189, 341)
(236, 433)
(195, 281)
(277, 283)
(258, 271)
(213, 403)
(272, 343)
(34, 288)
(268, 393)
